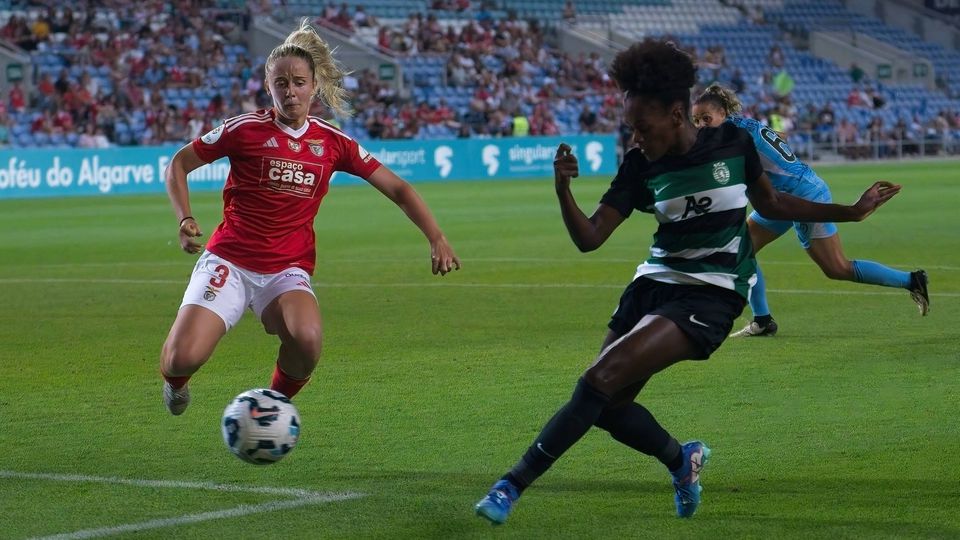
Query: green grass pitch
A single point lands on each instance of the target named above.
(843, 426)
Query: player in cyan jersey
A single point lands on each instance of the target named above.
(263, 253)
(684, 298)
(791, 175)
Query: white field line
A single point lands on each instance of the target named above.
(302, 497)
(176, 484)
(186, 264)
(242, 510)
(450, 283)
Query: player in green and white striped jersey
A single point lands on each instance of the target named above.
(685, 296)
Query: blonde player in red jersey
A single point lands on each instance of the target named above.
(263, 253)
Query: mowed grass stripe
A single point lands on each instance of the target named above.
(81, 281)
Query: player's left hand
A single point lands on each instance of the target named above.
(874, 197)
(442, 257)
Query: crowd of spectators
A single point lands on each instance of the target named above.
(114, 67)
(811, 126)
(166, 72)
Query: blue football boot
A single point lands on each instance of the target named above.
(686, 480)
(497, 504)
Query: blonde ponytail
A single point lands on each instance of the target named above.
(724, 98)
(327, 73)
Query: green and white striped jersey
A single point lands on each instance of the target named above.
(699, 199)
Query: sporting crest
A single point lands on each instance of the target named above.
(294, 145)
(721, 173)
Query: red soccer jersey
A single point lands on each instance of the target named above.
(278, 176)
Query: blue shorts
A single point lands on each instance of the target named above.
(813, 189)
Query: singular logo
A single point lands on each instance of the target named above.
(294, 145)
(721, 173)
(489, 156)
(271, 143)
(213, 136)
(316, 147)
(697, 206)
(594, 152)
(297, 178)
(442, 159)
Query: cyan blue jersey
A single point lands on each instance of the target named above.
(787, 173)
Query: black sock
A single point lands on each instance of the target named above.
(674, 464)
(634, 426)
(763, 320)
(566, 427)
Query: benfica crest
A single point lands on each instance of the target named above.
(294, 145)
(316, 147)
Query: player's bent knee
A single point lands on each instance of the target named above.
(179, 360)
(308, 340)
(603, 378)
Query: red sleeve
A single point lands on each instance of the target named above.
(356, 160)
(214, 145)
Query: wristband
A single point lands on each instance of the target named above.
(184, 219)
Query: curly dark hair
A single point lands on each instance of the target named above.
(655, 69)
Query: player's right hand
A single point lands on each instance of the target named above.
(188, 231)
(565, 166)
(874, 197)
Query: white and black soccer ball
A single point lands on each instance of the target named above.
(261, 426)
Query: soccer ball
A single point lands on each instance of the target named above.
(261, 426)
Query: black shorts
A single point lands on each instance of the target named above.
(704, 312)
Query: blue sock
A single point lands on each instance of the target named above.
(878, 274)
(758, 296)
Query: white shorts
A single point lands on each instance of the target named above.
(226, 289)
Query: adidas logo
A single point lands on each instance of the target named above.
(272, 143)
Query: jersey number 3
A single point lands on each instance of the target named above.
(778, 144)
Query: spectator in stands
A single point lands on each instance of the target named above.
(588, 119)
(107, 115)
(43, 123)
(62, 20)
(6, 125)
(857, 98)
(21, 34)
(62, 84)
(11, 29)
(856, 73)
(737, 81)
(17, 99)
(245, 246)
(874, 98)
(520, 125)
(775, 57)
(41, 26)
(93, 137)
(569, 12)
(362, 19)
(882, 143)
(849, 140)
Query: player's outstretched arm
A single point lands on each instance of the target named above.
(587, 233)
(442, 257)
(773, 204)
(184, 161)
